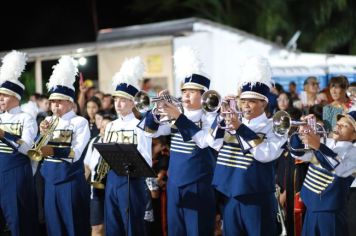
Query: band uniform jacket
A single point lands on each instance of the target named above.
(191, 158)
(329, 175)
(245, 164)
(68, 140)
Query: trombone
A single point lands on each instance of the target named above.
(143, 103)
(211, 102)
(282, 123)
(35, 153)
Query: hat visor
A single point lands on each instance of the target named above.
(9, 92)
(60, 96)
(122, 94)
(253, 95)
(190, 85)
(349, 118)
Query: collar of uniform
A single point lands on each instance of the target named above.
(14, 110)
(69, 115)
(332, 143)
(194, 116)
(127, 117)
(255, 120)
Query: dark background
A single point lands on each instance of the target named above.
(326, 26)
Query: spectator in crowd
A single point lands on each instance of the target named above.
(91, 161)
(108, 104)
(337, 86)
(87, 90)
(43, 108)
(317, 111)
(285, 104)
(147, 86)
(99, 95)
(157, 186)
(99, 116)
(92, 106)
(34, 97)
(277, 89)
(309, 96)
(293, 91)
(290, 176)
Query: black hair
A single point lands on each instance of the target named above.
(340, 80)
(42, 96)
(94, 99)
(307, 80)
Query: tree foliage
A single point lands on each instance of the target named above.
(327, 26)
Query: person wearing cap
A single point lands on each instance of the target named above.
(66, 192)
(327, 183)
(17, 132)
(190, 197)
(124, 130)
(245, 168)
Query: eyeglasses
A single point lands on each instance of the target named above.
(314, 83)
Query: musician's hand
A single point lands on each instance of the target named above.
(164, 91)
(305, 118)
(311, 139)
(47, 151)
(232, 121)
(304, 129)
(283, 198)
(44, 125)
(170, 110)
(2, 133)
(230, 97)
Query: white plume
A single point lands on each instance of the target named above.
(131, 72)
(186, 62)
(64, 73)
(256, 70)
(13, 64)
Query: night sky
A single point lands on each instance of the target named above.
(26, 24)
(29, 24)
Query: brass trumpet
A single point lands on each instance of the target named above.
(282, 123)
(143, 103)
(211, 102)
(35, 152)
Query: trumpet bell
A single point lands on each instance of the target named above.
(211, 101)
(34, 155)
(281, 123)
(142, 101)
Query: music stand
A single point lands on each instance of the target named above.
(125, 160)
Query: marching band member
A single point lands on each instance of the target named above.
(245, 173)
(190, 196)
(328, 179)
(66, 202)
(17, 132)
(94, 165)
(124, 130)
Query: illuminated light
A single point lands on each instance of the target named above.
(80, 50)
(82, 61)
